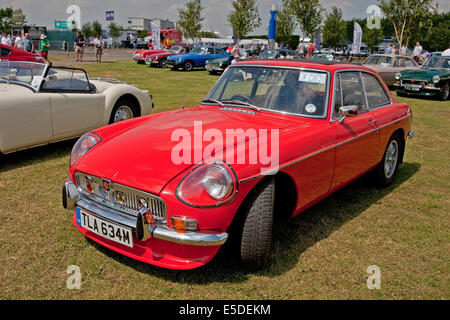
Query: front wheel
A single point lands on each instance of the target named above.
(256, 235)
(188, 66)
(445, 91)
(388, 168)
(124, 109)
(163, 63)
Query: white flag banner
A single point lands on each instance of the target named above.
(357, 36)
(156, 40)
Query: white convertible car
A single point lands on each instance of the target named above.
(40, 104)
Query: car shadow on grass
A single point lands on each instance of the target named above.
(291, 237)
(35, 155)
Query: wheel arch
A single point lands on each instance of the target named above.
(401, 133)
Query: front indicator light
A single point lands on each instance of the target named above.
(183, 224)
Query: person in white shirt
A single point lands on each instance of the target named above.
(6, 40)
(417, 52)
(99, 45)
(18, 42)
(446, 53)
(403, 50)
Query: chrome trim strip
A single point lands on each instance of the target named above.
(327, 148)
(190, 238)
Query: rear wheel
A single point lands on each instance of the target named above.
(445, 91)
(256, 234)
(124, 109)
(163, 63)
(388, 168)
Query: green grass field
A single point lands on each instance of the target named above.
(323, 254)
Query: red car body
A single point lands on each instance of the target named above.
(140, 55)
(317, 157)
(160, 59)
(15, 54)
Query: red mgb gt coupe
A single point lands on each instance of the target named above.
(15, 54)
(271, 137)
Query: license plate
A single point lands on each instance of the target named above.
(412, 88)
(209, 68)
(105, 228)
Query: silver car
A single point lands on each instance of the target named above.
(388, 65)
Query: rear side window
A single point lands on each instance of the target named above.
(5, 52)
(376, 96)
(409, 63)
(353, 91)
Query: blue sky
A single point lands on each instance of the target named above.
(45, 12)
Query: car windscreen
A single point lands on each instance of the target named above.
(21, 72)
(437, 62)
(268, 54)
(299, 92)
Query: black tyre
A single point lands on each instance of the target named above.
(445, 91)
(124, 109)
(256, 236)
(163, 63)
(188, 66)
(387, 170)
(212, 72)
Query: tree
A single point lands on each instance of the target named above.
(114, 30)
(6, 15)
(97, 28)
(285, 26)
(372, 37)
(333, 30)
(142, 34)
(407, 16)
(190, 19)
(245, 17)
(86, 29)
(308, 14)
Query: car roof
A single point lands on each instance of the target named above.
(300, 63)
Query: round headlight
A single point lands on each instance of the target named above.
(208, 185)
(436, 78)
(397, 76)
(83, 145)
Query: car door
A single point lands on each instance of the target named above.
(356, 138)
(76, 107)
(25, 119)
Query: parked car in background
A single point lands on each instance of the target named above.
(326, 124)
(140, 55)
(279, 54)
(196, 58)
(323, 57)
(41, 104)
(160, 59)
(14, 54)
(389, 65)
(216, 66)
(432, 79)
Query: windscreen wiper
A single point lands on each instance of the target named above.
(213, 101)
(246, 104)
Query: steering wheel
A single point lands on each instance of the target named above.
(241, 97)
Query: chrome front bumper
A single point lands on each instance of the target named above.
(71, 200)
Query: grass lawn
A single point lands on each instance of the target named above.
(322, 254)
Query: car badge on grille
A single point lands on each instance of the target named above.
(121, 198)
(412, 80)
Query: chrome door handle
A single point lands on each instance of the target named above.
(373, 121)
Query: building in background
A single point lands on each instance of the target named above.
(139, 23)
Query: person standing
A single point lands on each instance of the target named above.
(99, 45)
(78, 46)
(446, 53)
(6, 40)
(311, 49)
(403, 50)
(18, 42)
(417, 52)
(45, 45)
(388, 50)
(393, 50)
(27, 43)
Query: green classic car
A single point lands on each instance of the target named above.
(432, 79)
(215, 66)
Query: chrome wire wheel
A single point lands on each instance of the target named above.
(123, 113)
(445, 91)
(390, 159)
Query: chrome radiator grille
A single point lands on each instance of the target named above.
(120, 197)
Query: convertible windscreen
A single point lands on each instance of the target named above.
(300, 92)
(27, 73)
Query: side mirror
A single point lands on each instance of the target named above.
(347, 111)
(51, 78)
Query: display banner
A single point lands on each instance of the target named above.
(156, 36)
(109, 15)
(357, 36)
